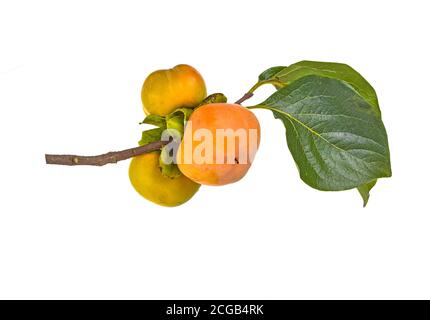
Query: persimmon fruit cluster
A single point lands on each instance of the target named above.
(165, 91)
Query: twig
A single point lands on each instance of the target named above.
(102, 159)
(246, 96)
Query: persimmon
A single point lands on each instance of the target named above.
(163, 91)
(219, 143)
(147, 179)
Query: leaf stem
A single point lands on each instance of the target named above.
(256, 107)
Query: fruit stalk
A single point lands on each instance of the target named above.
(102, 159)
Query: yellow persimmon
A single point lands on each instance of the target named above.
(166, 90)
(147, 179)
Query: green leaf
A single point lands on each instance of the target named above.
(170, 126)
(186, 112)
(333, 70)
(335, 138)
(168, 168)
(151, 135)
(364, 190)
(213, 98)
(155, 120)
(270, 73)
(177, 119)
(168, 153)
(175, 123)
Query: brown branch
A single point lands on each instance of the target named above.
(115, 156)
(246, 96)
(102, 159)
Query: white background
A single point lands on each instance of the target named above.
(70, 79)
